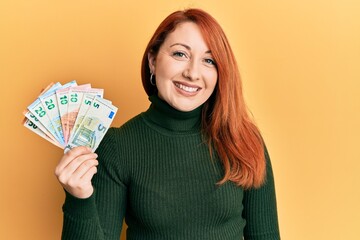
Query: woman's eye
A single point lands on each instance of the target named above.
(179, 54)
(210, 61)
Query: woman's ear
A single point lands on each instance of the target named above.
(151, 59)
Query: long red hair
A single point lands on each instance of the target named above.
(226, 123)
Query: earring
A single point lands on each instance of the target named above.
(152, 80)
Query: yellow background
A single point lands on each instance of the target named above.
(299, 61)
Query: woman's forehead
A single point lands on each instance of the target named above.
(188, 34)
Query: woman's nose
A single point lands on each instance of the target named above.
(192, 71)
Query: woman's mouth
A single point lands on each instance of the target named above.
(187, 88)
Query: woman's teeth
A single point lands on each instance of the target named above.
(186, 88)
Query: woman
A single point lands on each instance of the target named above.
(193, 166)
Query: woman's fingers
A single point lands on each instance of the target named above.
(78, 164)
(75, 171)
(70, 156)
(83, 168)
(79, 183)
(89, 174)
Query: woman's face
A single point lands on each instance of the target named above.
(185, 71)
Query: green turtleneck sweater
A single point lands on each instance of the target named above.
(156, 172)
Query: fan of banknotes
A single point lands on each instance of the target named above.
(70, 115)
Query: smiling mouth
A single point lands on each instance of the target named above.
(187, 88)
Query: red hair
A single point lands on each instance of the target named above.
(226, 123)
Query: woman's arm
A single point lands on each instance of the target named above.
(100, 215)
(260, 210)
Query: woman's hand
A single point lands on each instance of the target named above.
(75, 171)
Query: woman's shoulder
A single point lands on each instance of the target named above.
(129, 130)
(125, 135)
(131, 124)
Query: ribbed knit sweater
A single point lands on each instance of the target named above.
(156, 172)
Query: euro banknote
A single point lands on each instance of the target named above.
(70, 115)
(93, 124)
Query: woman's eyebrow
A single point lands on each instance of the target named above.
(181, 44)
(186, 46)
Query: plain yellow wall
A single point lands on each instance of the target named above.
(300, 63)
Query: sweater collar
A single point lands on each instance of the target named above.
(169, 118)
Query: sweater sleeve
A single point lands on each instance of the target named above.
(100, 216)
(260, 210)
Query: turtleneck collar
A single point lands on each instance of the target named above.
(168, 118)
